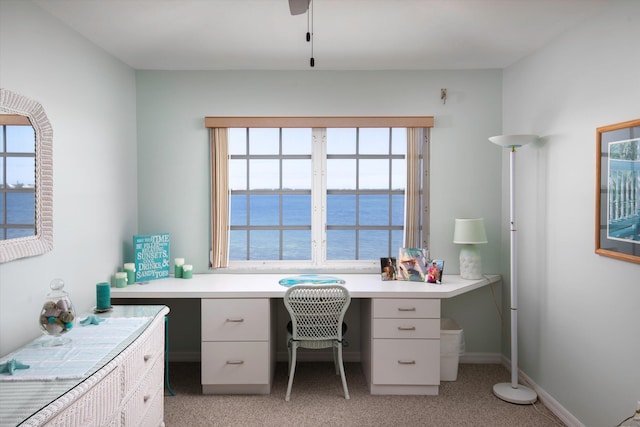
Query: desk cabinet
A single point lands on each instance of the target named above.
(237, 346)
(401, 347)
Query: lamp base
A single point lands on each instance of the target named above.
(520, 396)
(470, 263)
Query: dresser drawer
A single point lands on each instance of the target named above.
(145, 406)
(143, 357)
(97, 407)
(406, 308)
(406, 362)
(235, 319)
(235, 362)
(406, 328)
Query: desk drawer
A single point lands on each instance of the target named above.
(235, 319)
(406, 328)
(235, 362)
(406, 362)
(406, 308)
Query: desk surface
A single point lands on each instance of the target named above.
(267, 286)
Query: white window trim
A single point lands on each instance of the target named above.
(338, 266)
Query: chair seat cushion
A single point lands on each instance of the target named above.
(290, 327)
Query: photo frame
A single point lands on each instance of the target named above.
(435, 271)
(388, 268)
(412, 264)
(618, 191)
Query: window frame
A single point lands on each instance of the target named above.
(424, 122)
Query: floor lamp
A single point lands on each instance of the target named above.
(514, 392)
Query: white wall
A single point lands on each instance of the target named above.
(89, 99)
(465, 167)
(579, 312)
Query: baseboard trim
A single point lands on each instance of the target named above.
(481, 358)
(319, 356)
(351, 357)
(551, 403)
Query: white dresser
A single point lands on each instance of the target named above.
(125, 388)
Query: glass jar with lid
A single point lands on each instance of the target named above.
(58, 316)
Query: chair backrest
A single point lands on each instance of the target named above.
(317, 311)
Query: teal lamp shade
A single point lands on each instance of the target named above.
(470, 232)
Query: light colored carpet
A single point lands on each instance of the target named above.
(317, 399)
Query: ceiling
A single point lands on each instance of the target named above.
(347, 34)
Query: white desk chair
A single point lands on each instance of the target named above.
(317, 312)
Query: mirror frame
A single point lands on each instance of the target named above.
(42, 241)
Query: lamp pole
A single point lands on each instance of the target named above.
(514, 392)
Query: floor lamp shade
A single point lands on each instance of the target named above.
(470, 232)
(513, 392)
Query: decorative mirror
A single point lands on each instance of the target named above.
(26, 208)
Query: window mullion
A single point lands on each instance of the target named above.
(319, 196)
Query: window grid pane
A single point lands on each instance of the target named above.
(271, 179)
(270, 195)
(17, 182)
(371, 204)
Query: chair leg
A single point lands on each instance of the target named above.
(344, 379)
(292, 370)
(335, 357)
(289, 356)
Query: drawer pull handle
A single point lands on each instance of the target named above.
(406, 362)
(235, 320)
(147, 357)
(406, 309)
(146, 397)
(406, 328)
(235, 362)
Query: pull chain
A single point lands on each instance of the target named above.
(312, 60)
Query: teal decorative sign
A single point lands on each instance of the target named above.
(152, 256)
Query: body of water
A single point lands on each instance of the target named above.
(344, 214)
(20, 209)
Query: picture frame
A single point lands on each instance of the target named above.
(435, 271)
(412, 264)
(617, 233)
(388, 268)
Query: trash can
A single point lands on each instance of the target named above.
(451, 346)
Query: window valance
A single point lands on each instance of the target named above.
(319, 122)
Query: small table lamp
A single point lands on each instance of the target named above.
(470, 232)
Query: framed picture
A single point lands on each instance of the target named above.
(388, 268)
(435, 271)
(618, 191)
(412, 264)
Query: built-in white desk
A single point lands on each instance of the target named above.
(400, 327)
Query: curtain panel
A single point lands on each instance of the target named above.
(219, 151)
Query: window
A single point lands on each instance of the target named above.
(17, 178)
(26, 178)
(314, 197)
